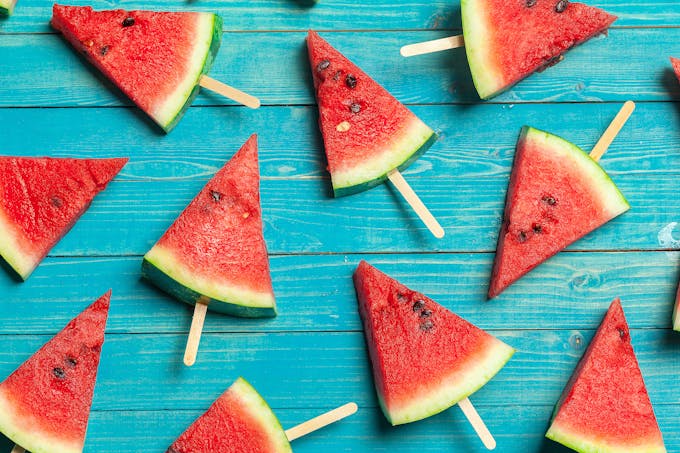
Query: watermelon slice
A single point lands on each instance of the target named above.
(605, 406)
(557, 194)
(41, 198)
(676, 66)
(506, 41)
(7, 7)
(366, 131)
(215, 250)
(155, 58)
(240, 421)
(45, 403)
(425, 358)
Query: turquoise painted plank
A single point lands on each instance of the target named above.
(207, 137)
(366, 431)
(299, 370)
(315, 293)
(265, 15)
(274, 67)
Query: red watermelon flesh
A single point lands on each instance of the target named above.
(41, 198)
(215, 250)
(676, 66)
(45, 403)
(506, 41)
(155, 58)
(366, 131)
(425, 358)
(556, 195)
(605, 406)
(240, 421)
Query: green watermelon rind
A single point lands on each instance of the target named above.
(610, 195)
(484, 75)
(175, 111)
(676, 312)
(412, 143)
(7, 7)
(165, 270)
(263, 413)
(21, 429)
(455, 388)
(582, 444)
(20, 263)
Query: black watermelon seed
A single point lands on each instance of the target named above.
(70, 361)
(622, 333)
(104, 50)
(56, 202)
(522, 237)
(216, 196)
(530, 3)
(561, 6)
(350, 81)
(59, 372)
(401, 297)
(418, 305)
(323, 65)
(355, 108)
(128, 22)
(537, 228)
(550, 200)
(426, 313)
(426, 326)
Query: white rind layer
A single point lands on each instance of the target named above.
(24, 430)
(486, 75)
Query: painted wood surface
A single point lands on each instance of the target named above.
(312, 357)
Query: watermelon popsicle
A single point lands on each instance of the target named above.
(45, 403)
(242, 417)
(157, 59)
(556, 195)
(508, 41)
(425, 358)
(214, 254)
(369, 136)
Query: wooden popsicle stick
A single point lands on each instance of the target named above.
(435, 45)
(229, 92)
(18, 449)
(322, 420)
(477, 423)
(415, 202)
(195, 333)
(612, 131)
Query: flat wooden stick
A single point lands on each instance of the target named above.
(612, 131)
(322, 420)
(195, 333)
(18, 449)
(477, 423)
(415, 202)
(229, 92)
(436, 45)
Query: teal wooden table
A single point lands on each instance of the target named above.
(312, 357)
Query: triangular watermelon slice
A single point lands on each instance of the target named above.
(45, 403)
(366, 131)
(155, 58)
(215, 251)
(41, 198)
(557, 194)
(239, 421)
(506, 41)
(425, 358)
(605, 406)
(7, 7)
(676, 67)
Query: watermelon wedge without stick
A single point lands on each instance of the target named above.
(508, 41)
(425, 358)
(45, 403)
(7, 7)
(605, 406)
(158, 59)
(556, 195)
(41, 198)
(368, 135)
(214, 254)
(240, 421)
